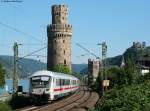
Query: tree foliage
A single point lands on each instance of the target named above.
(128, 98)
(123, 76)
(62, 69)
(131, 91)
(78, 75)
(2, 76)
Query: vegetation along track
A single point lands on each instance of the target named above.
(82, 99)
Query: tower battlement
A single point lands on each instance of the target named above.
(57, 9)
(60, 28)
(59, 14)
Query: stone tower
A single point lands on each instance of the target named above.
(93, 70)
(59, 38)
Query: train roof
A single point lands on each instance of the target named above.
(52, 74)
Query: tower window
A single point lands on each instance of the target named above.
(55, 52)
(65, 62)
(64, 52)
(63, 41)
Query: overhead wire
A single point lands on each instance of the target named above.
(26, 34)
(19, 31)
(30, 54)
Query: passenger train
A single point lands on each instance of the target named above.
(47, 85)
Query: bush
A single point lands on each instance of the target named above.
(2, 76)
(19, 101)
(62, 69)
(4, 106)
(127, 98)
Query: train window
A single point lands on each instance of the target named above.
(74, 82)
(62, 82)
(44, 78)
(67, 82)
(57, 82)
(40, 81)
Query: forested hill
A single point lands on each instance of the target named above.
(136, 53)
(132, 53)
(28, 66)
(25, 66)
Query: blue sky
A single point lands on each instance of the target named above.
(118, 22)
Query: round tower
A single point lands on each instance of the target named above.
(59, 38)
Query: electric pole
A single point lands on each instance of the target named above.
(15, 75)
(103, 65)
(104, 56)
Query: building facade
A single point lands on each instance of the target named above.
(59, 35)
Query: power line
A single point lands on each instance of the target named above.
(24, 44)
(87, 50)
(39, 56)
(15, 1)
(34, 44)
(30, 54)
(19, 31)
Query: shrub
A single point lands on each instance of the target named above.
(4, 106)
(62, 69)
(127, 98)
(2, 76)
(19, 101)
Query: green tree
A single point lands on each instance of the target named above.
(133, 97)
(62, 69)
(116, 76)
(131, 71)
(2, 76)
(124, 76)
(78, 75)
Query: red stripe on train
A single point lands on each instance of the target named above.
(60, 89)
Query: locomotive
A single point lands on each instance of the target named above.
(47, 85)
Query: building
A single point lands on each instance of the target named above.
(139, 45)
(143, 59)
(93, 69)
(144, 64)
(59, 35)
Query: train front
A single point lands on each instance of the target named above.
(40, 87)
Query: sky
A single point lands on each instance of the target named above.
(117, 22)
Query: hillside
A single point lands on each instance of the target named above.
(25, 66)
(132, 53)
(29, 66)
(114, 61)
(79, 68)
(136, 53)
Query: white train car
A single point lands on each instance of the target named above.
(50, 85)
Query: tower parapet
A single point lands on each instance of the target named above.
(59, 14)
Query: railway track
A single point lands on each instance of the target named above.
(78, 100)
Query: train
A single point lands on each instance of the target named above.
(47, 85)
